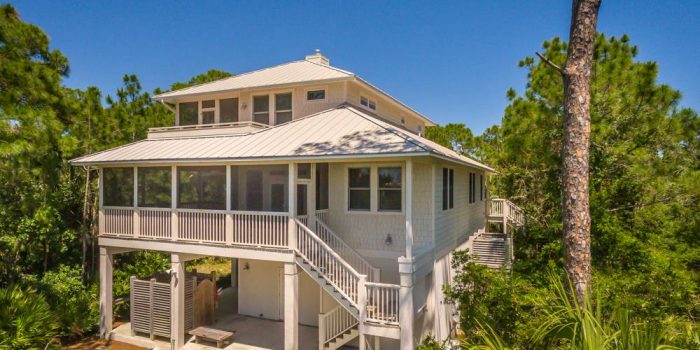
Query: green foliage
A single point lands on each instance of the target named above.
(209, 76)
(26, 320)
(75, 304)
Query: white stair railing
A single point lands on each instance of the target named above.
(333, 324)
(346, 252)
(328, 264)
(383, 303)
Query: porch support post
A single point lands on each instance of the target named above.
(409, 208)
(177, 301)
(291, 307)
(106, 272)
(173, 203)
(291, 239)
(406, 309)
(311, 210)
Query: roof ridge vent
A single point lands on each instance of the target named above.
(318, 58)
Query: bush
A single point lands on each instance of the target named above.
(75, 305)
(26, 320)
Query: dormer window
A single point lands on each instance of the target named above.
(189, 113)
(208, 111)
(261, 109)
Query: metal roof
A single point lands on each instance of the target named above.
(344, 131)
(297, 72)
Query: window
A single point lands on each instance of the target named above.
(228, 110)
(189, 113)
(208, 112)
(472, 188)
(448, 181)
(364, 101)
(118, 187)
(201, 187)
(261, 109)
(283, 108)
(372, 104)
(304, 171)
(389, 189)
(235, 184)
(315, 95)
(301, 199)
(154, 187)
(321, 186)
(481, 187)
(359, 189)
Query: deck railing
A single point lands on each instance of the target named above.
(266, 229)
(383, 303)
(499, 207)
(333, 324)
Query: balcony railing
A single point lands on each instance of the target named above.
(260, 229)
(504, 208)
(383, 303)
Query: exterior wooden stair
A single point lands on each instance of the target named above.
(490, 249)
(495, 250)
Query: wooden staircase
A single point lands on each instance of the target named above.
(495, 249)
(490, 249)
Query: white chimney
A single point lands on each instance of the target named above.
(318, 58)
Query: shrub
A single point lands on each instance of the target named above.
(26, 320)
(75, 305)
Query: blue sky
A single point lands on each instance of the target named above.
(452, 61)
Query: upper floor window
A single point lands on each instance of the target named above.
(118, 187)
(315, 95)
(261, 109)
(481, 187)
(389, 189)
(321, 186)
(472, 187)
(154, 187)
(368, 103)
(283, 108)
(189, 113)
(304, 171)
(359, 189)
(448, 191)
(208, 112)
(228, 110)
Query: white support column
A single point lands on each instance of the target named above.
(291, 307)
(292, 190)
(101, 214)
(177, 301)
(311, 211)
(229, 217)
(362, 304)
(106, 272)
(137, 215)
(409, 208)
(173, 203)
(406, 309)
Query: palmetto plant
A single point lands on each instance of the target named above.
(26, 321)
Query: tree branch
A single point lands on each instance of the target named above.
(550, 63)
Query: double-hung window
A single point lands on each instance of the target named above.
(472, 188)
(261, 109)
(389, 188)
(283, 108)
(359, 192)
(448, 191)
(208, 112)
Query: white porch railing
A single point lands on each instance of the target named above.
(118, 221)
(267, 229)
(155, 223)
(322, 215)
(201, 226)
(499, 207)
(383, 303)
(333, 324)
(346, 252)
(328, 263)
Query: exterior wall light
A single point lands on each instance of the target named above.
(388, 240)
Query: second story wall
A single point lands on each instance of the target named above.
(384, 107)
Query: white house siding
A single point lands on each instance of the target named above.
(261, 292)
(423, 298)
(422, 205)
(385, 107)
(453, 226)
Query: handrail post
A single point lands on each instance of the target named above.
(362, 307)
(291, 238)
(321, 331)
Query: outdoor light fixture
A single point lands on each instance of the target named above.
(246, 266)
(388, 240)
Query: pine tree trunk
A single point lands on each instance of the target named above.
(577, 132)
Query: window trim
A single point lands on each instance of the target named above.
(380, 189)
(316, 88)
(209, 109)
(270, 103)
(448, 182)
(273, 102)
(347, 180)
(371, 103)
(374, 184)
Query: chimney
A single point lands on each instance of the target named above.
(318, 58)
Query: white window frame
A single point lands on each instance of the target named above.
(273, 103)
(316, 88)
(374, 188)
(270, 109)
(208, 109)
(400, 189)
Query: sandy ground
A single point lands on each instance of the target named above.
(101, 344)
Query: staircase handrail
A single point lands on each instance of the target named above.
(334, 323)
(337, 258)
(362, 265)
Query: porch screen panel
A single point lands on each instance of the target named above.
(201, 187)
(118, 187)
(283, 108)
(228, 110)
(261, 109)
(321, 186)
(154, 187)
